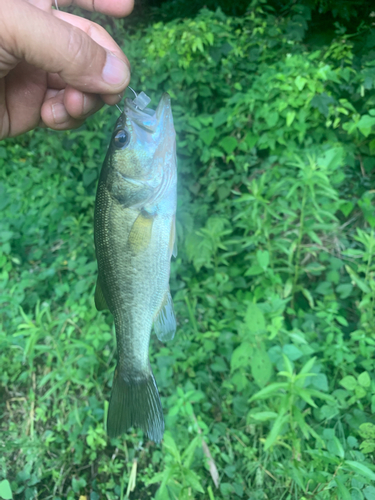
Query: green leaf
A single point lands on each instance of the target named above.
(241, 356)
(261, 366)
(171, 446)
(306, 396)
(364, 379)
(360, 469)
(262, 416)
(367, 430)
(275, 431)
(254, 319)
(344, 492)
(263, 258)
(365, 124)
(5, 490)
(307, 367)
(272, 118)
(188, 454)
(207, 135)
(357, 280)
(251, 139)
(220, 118)
(349, 383)
(193, 480)
(346, 208)
(300, 82)
(229, 144)
(322, 101)
(268, 391)
(290, 118)
(369, 492)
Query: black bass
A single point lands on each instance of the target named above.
(135, 237)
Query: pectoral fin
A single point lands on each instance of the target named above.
(100, 302)
(165, 320)
(173, 239)
(140, 234)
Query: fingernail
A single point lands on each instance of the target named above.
(60, 114)
(115, 71)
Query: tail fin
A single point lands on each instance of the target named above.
(135, 402)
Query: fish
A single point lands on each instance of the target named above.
(135, 238)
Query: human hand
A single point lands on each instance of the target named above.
(56, 69)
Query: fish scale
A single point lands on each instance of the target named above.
(134, 233)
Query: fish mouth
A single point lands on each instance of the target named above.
(148, 118)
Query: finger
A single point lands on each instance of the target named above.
(54, 114)
(111, 100)
(116, 8)
(41, 4)
(95, 32)
(25, 90)
(55, 46)
(80, 105)
(54, 81)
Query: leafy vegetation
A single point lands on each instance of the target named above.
(268, 387)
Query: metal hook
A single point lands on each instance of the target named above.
(134, 92)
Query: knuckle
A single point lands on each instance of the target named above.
(77, 45)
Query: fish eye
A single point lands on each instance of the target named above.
(121, 138)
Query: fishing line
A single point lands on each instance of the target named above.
(134, 92)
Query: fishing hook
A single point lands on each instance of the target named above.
(134, 92)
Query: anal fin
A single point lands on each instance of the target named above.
(100, 302)
(165, 320)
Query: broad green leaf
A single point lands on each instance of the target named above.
(365, 124)
(272, 118)
(5, 490)
(207, 135)
(263, 258)
(300, 82)
(254, 319)
(364, 379)
(229, 144)
(241, 356)
(367, 430)
(369, 492)
(349, 383)
(261, 366)
(251, 139)
(346, 208)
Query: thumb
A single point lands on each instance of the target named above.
(57, 46)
